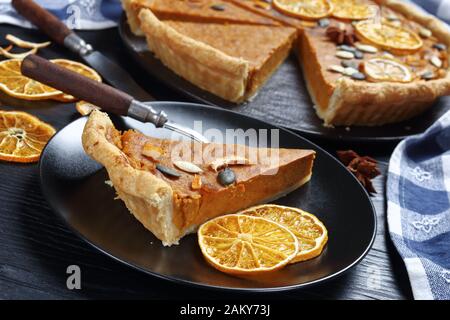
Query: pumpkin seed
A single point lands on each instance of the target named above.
(167, 171)
(226, 177)
(435, 61)
(349, 71)
(388, 55)
(336, 68)
(358, 76)
(345, 47)
(440, 46)
(349, 64)
(427, 75)
(366, 48)
(425, 33)
(344, 54)
(392, 17)
(218, 7)
(187, 166)
(323, 23)
(358, 54)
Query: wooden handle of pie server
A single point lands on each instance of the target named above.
(77, 85)
(43, 19)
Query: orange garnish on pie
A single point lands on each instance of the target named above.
(310, 231)
(76, 67)
(352, 10)
(22, 136)
(379, 70)
(396, 39)
(246, 245)
(304, 9)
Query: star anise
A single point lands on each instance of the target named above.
(340, 34)
(364, 168)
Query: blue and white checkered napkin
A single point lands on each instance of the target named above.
(77, 14)
(418, 194)
(439, 8)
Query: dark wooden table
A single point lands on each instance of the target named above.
(36, 248)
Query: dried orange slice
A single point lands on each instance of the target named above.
(311, 233)
(304, 9)
(352, 10)
(16, 85)
(379, 70)
(246, 245)
(22, 136)
(79, 68)
(396, 39)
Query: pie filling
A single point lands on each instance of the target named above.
(271, 174)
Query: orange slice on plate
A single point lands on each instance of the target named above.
(380, 70)
(304, 9)
(79, 68)
(311, 233)
(396, 39)
(245, 245)
(18, 86)
(352, 10)
(22, 136)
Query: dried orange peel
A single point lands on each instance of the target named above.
(7, 54)
(395, 39)
(245, 245)
(304, 9)
(26, 44)
(85, 108)
(22, 136)
(309, 230)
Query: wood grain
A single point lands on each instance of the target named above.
(36, 247)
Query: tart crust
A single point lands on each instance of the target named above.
(232, 78)
(168, 208)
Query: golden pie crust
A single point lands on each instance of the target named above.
(208, 63)
(170, 208)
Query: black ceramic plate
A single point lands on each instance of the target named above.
(283, 100)
(75, 187)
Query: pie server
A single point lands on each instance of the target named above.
(62, 35)
(106, 97)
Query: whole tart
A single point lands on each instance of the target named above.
(368, 63)
(230, 60)
(172, 202)
(351, 95)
